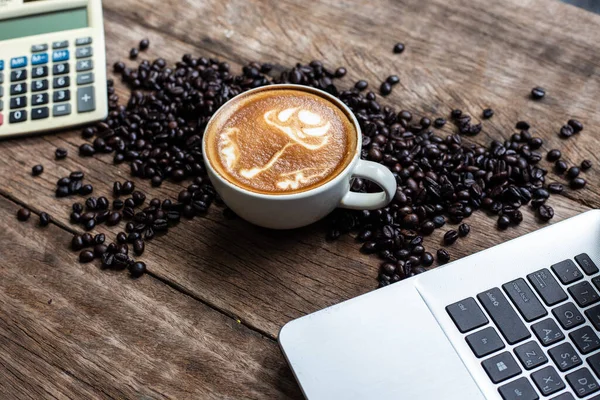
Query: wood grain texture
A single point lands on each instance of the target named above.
(461, 54)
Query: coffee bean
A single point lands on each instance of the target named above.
(75, 218)
(425, 123)
(103, 203)
(156, 181)
(464, 229)
(23, 214)
(113, 219)
(86, 189)
(129, 203)
(121, 237)
(439, 123)
(144, 44)
(450, 237)
(116, 189)
(553, 155)
(537, 93)
(361, 85)
(63, 182)
(137, 269)
(76, 175)
(560, 167)
(77, 243)
(488, 113)
(88, 239)
(427, 228)
(535, 143)
(118, 67)
(44, 219)
(86, 150)
(578, 183)
(556, 188)
(122, 248)
(60, 153)
(99, 250)
(398, 48)
(102, 216)
(523, 125)
(503, 222)
(393, 79)
(121, 261)
(108, 258)
(99, 238)
(138, 198)
(86, 256)
(127, 188)
(89, 225)
(586, 164)
(118, 204)
(439, 221)
(77, 207)
(442, 256)
(573, 172)
(138, 247)
(91, 204)
(37, 170)
(427, 259)
(545, 212)
(133, 53)
(576, 125)
(566, 131)
(385, 89)
(340, 72)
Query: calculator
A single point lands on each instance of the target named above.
(52, 65)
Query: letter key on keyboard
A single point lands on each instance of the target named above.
(504, 316)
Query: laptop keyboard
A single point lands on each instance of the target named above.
(528, 352)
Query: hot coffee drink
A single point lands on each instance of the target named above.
(280, 141)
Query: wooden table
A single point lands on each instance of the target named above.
(203, 322)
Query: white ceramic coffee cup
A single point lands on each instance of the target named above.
(287, 211)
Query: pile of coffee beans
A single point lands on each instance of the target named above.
(158, 133)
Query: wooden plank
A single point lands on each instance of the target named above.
(70, 331)
(466, 54)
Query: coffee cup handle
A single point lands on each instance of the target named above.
(371, 201)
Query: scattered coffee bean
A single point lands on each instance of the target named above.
(442, 256)
(144, 44)
(88, 239)
(127, 188)
(89, 225)
(361, 85)
(137, 269)
(102, 203)
(385, 89)
(23, 214)
(133, 53)
(86, 189)
(121, 237)
(113, 219)
(545, 212)
(60, 153)
(578, 183)
(576, 125)
(450, 237)
(523, 125)
(76, 175)
(86, 256)
(573, 172)
(138, 247)
(77, 243)
(426, 259)
(86, 150)
(99, 238)
(503, 222)
(340, 72)
(566, 131)
(488, 113)
(37, 170)
(44, 219)
(99, 250)
(91, 204)
(560, 167)
(586, 164)
(439, 123)
(553, 155)
(398, 48)
(393, 79)
(118, 204)
(464, 229)
(537, 93)
(555, 188)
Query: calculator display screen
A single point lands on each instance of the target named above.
(31, 25)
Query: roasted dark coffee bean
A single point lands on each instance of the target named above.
(88, 239)
(577, 183)
(86, 256)
(361, 85)
(340, 72)
(102, 203)
(91, 204)
(137, 269)
(427, 227)
(427, 259)
(60, 153)
(127, 188)
(77, 207)
(576, 125)
(488, 113)
(138, 198)
(133, 236)
(99, 250)
(398, 48)
(129, 203)
(23, 214)
(439, 123)
(144, 44)
(121, 261)
(44, 219)
(148, 234)
(155, 203)
(586, 164)
(442, 256)
(102, 216)
(425, 123)
(118, 204)
(439, 221)
(369, 247)
(535, 143)
(75, 186)
(450, 237)
(89, 225)
(138, 247)
(76, 175)
(540, 193)
(503, 222)
(128, 212)
(545, 212)
(566, 131)
(385, 89)
(122, 248)
(133, 53)
(573, 172)
(117, 189)
(77, 243)
(523, 125)
(99, 238)
(113, 219)
(160, 225)
(121, 237)
(392, 79)
(537, 93)
(108, 258)
(173, 216)
(119, 67)
(63, 182)
(464, 229)
(553, 155)
(560, 167)
(156, 181)
(88, 133)
(86, 150)
(75, 218)
(37, 170)
(555, 188)
(86, 189)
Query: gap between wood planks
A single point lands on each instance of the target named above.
(174, 285)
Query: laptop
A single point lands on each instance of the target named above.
(519, 321)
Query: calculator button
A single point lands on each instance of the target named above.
(38, 59)
(83, 52)
(18, 75)
(83, 41)
(40, 113)
(60, 45)
(39, 98)
(36, 48)
(84, 79)
(39, 86)
(18, 102)
(39, 72)
(59, 69)
(61, 82)
(1, 105)
(60, 110)
(1, 77)
(1, 91)
(17, 116)
(60, 55)
(84, 65)
(85, 99)
(61, 95)
(18, 62)
(18, 88)
(1, 65)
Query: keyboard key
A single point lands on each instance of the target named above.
(39, 72)
(504, 316)
(585, 339)
(584, 294)
(548, 381)
(523, 298)
(1, 91)
(501, 367)
(60, 110)
(531, 355)
(39, 86)
(1, 105)
(60, 45)
(83, 41)
(567, 272)
(466, 315)
(485, 342)
(18, 88)
(519, 389)
(60, 69)
(85, 78)
(18, 75)
(582, 382)
(83, 52)
(1, 77)
(564, 356)
(61, 95)
(594, 316)
(565, 396)
(40, 113)
(39, 98)
(586, 264)
(36, 48)
(547, 287)
(18, 102)
(594, 363)
(86, 100)
(547, 332)
(568, 316)
(38, 59)
(1, 65)
(18, 62)
(17, 116)
(84, 65)
(61, 82)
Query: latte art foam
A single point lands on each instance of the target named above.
(280, 141)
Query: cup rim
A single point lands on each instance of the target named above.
(307, 193)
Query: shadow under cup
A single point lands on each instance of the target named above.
(293, 210)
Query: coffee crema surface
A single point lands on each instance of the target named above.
(280, 141)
